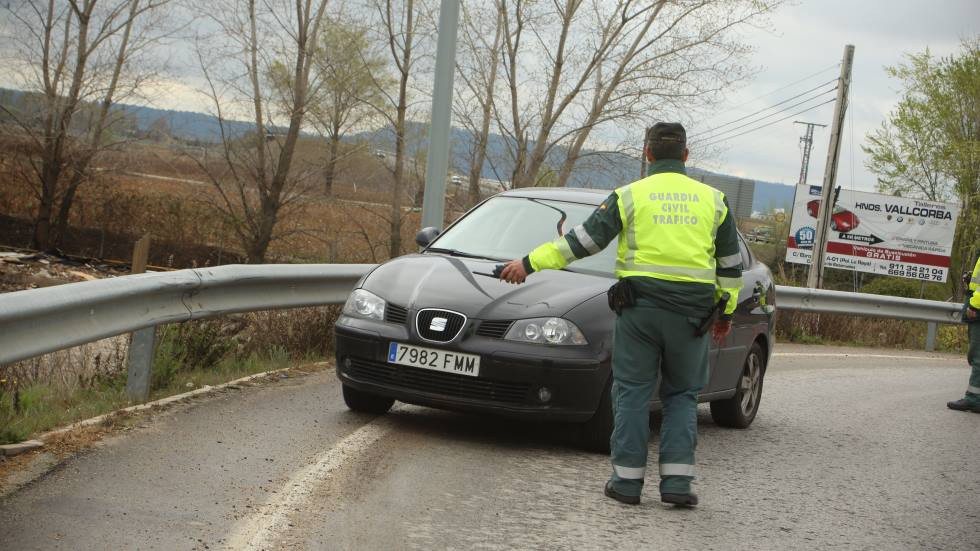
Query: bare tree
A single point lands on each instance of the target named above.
(402, 28)
(572, 66)
(478, 63)
(351, 74)
(253, 173)
(76, 59)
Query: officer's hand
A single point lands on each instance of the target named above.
(514, 272)
(971, 314)
(720, 330)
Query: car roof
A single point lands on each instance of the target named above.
(587, 196)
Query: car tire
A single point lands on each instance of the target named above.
(597, 431)
(358, 400)
(739, 411)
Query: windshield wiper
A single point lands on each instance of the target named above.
(454, 252)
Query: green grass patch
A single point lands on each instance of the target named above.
(41, 407)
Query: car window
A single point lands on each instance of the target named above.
(746, 255)
(511, 227)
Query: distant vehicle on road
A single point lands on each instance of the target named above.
(379, 153)
(437, 329)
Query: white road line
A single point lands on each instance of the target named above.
(850, 355)
(259, 531)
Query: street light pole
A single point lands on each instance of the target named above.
(437, 163)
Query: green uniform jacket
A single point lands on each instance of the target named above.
(688, 298)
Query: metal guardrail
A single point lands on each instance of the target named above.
(39, 321)
(863, 304)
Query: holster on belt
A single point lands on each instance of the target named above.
(620, 296)
(716, 311)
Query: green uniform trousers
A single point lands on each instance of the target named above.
(648, 339)
(973, 356)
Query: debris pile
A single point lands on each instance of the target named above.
(30, 270)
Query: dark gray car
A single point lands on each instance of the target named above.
(437, 329)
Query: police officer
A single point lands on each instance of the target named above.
(678, 253)
(971, 401)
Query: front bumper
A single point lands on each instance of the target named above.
(509, 381)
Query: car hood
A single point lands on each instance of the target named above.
(437, 281)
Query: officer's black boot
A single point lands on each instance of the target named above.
(622, 498)
(681, 500)
(964, 405)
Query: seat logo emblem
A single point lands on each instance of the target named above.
(438, 324)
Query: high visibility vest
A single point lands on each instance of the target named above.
(670, 222)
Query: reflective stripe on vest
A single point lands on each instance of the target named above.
(729, 282)
(565, 249)
(585, 239)
(706, 274)
(729, 261)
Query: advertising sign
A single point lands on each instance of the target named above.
(875, 233)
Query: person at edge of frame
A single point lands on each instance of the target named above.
(677, 255)
(971, 400)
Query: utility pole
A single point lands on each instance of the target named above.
(814, 278)
(807, 141)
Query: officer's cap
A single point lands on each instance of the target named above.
(666, 133)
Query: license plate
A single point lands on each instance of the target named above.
(436, 360)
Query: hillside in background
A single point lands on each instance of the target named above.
(597, 170)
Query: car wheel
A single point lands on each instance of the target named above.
(739, 410)
(597, 431)
(358, 400)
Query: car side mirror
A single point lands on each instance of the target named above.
(426, 236)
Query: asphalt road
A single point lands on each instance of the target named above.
(852, 449)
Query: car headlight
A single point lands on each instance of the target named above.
(365, 304)
(546, 331)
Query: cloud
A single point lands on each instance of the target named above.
(811, 36)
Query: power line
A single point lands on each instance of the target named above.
(804, 79)
(710, 130)
(768, 124)
(760, 119)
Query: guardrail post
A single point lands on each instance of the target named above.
(142, 342)
(931, 336)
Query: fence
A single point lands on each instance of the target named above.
(39, 321)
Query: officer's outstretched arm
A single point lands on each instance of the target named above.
(586, 239)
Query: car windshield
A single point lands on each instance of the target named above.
(511, 227)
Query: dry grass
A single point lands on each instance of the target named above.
(810, 328)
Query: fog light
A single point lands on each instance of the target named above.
(544, 395)
(347, 362)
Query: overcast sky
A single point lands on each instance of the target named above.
(810, 36)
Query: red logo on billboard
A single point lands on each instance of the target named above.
(842, 220)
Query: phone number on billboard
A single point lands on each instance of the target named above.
(916, 272)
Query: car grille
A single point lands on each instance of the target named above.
(495, 329)
(395, 314)
(429, 326)
(435, 382)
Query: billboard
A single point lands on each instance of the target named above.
(875, 233)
